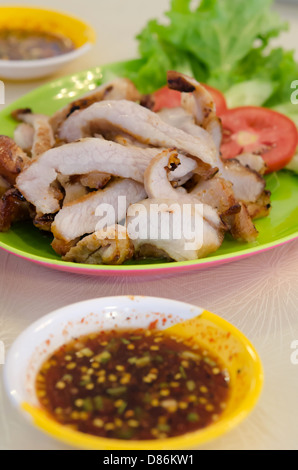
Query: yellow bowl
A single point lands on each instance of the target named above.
(38, 19)
(209, 330)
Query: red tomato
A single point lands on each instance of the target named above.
(167, 98)
(261, 131)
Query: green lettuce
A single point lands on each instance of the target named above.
(219, 42)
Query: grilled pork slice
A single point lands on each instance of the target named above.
(13, 208)
(97, 209)
(252, 161)
(248, 185)
(4, 185)
(170, 215)
(107, 246)
(217, 193)
(198, 102)
(238, 183)
(156, 178)
(82, 158)
(179, 230)
(260, 208)
(139, 123)
(120, 88)
(12, 159)
(24, 137)
(241, 225)
(73, 188)
(43, 137)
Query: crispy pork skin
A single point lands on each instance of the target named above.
(13, 208)
(12, 159)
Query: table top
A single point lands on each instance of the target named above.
(258, 295)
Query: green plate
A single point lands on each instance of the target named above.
(24, 240)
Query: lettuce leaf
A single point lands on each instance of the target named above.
(220, 42)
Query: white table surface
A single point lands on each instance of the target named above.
(259, 294)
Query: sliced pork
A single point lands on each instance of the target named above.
(120, 88)
(198, 102)
(174, 229)
(43, 137)
(138, 122)
(12, 159)
(169, 214)
(4, 185)
(107, 246)
(99, 155)
(13, 208)
(97, 209)
(24, 137)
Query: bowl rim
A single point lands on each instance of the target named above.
(27, 64)
(44, 423)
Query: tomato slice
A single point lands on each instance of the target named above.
(167, 98)
(260, 131)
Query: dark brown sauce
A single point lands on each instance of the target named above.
(133, 385)
(32, 45)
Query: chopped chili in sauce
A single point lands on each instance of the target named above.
(133, 384)
(17, 44)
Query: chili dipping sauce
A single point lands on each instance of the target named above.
(17, 44)
(133, 384)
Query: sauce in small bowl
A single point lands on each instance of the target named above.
(19, 44)
(133, 373)
(35, 42)
(133, 384)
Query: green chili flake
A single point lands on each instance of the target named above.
(164, 385)
(163, 427)
(98, 403)
(190, 384)
(192, 417)
(86, 352)
(147, 397)
(122, 408)
(117, 391)
(158, 358)
(143, 361)
(88, 404)
(125, 341)
(132, 360)
(138, 412)
(209, 361)
(125, 433)
(182, 372)
(103, 357)
(84, 382)
(67, 378)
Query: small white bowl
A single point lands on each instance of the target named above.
(37, 19)
(46, 335)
